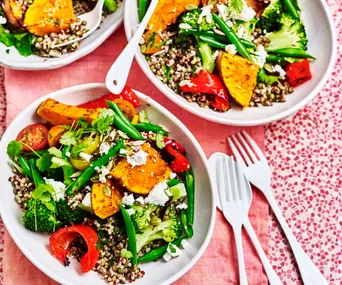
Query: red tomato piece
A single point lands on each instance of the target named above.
(61, 240)
(33, 137)
(180, 162)
(126, 94)
(298, 72)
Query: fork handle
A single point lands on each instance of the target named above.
(239, 250)
(308, 271)
(273, 278)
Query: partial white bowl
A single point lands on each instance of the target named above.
(35, 245)
(14, 60)
(322, 44)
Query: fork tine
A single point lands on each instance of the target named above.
(242, 151)
(232, 176)
(247, 147)
(254, 146)
(236, 153)
(227, 178)
(241, 187)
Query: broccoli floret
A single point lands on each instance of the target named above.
(192, 17)
(268, 79)
(41, 217)
(67, 215)
(142, 215)
(291, 34)
(245, 28)
(269, 20)
(168, 230)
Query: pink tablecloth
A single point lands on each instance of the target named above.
(305, 154)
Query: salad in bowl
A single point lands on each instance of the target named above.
(218, 58)
(107, 186)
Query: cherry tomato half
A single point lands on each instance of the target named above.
(33, 137)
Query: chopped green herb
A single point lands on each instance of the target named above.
(14, 148)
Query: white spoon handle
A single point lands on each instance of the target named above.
(273, 278)
(118, 73)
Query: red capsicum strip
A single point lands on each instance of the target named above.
(208, 83)
(126, 94)
(61, 240)
(298, 72)
(180, 162)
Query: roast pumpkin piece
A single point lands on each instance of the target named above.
(151, 42)
(257, 5)
(58, 113)
(49, 16)
(239, 75)
(165, 14)
(14, 12)
(142, 179)
(105, 199)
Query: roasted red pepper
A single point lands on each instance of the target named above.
(61, 240)
(126, 94)
(208, 83)
(180, 163)
(298, 72)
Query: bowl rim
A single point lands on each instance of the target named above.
(63, 61)
(61, 279)
(234, 122)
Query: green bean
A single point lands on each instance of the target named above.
(274, 58)
(292, 9)
(233, 38)
(190, 190)
(111, 5)
(122, 123)
(292, 52)
(142, 8)
(147, 127)
(208, 62)
(221, 39)
(186, 227)
(25, 166)
(213, 42)
(68, 170)
(158, 252)
(85, 176)
(173, 182)
(37, 179)
(130, 231)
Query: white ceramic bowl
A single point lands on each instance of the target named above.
(35, 245)
(322, 44)
(14, 60)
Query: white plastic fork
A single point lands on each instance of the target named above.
(235, 196)
(256, 169)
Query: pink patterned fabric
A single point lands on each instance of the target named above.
(305, 154)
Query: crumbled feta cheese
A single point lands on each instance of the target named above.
(184, 243)
(186, 82)
(223, 11)
(3, 20)
(86, 200)
(167, 256)
(231, 49)
(173, 250)
(246, 14)
(137, 159)
(140, 200)
(158, 196)
(173, 175)
(68, 154)
(280, 70)
(130, 211)
(182, 206)
(260, 56)
(127, 199)
(103, 172)
(58, 186)
(85, 156)
(104, 148)
(242, 33)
